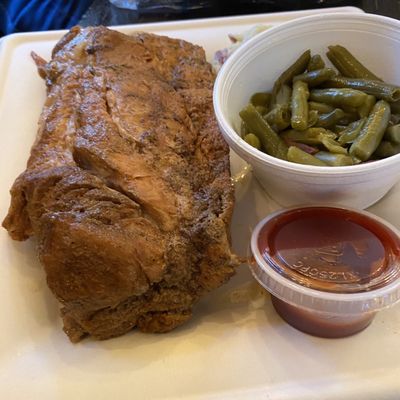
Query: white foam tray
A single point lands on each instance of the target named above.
(235, 347)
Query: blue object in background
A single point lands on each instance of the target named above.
(40, 15)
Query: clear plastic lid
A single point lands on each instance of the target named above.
(329, 259)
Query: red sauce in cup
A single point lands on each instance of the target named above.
(332, 250)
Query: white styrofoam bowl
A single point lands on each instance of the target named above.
(373, 39)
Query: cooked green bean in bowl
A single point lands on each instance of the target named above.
(315, 110)
(321, 116)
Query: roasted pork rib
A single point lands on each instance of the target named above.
(127, 189)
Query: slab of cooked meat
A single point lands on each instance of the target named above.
(127, 188)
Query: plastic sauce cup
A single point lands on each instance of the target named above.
(329, 269)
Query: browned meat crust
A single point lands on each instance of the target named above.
(127, 188)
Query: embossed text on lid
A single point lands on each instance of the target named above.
(330, 249)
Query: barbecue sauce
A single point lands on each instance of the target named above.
(321, 324)
(330, 250)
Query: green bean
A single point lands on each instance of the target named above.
(260, 99)
(349, 117)
(381, 90)
(392, 134)
(310, 136)
(299, 119)
(305, 147)
(296, 68)
(352, 131)
(331, 118)
(270, 141)
(351, 110)
(316, 62)
(367, 106)
(338, 128)
(253, 140)
(284, 95)
(243, 129)
(279, 117)
(372, 132)
(301, 157)
(387, 149)
(338, 97)
(320, 107)
(261, 109)
(340, 66)
(332, 145)
(345, 119)
(315, 78)
(334, 160)
(347, 64)
(312, 118)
